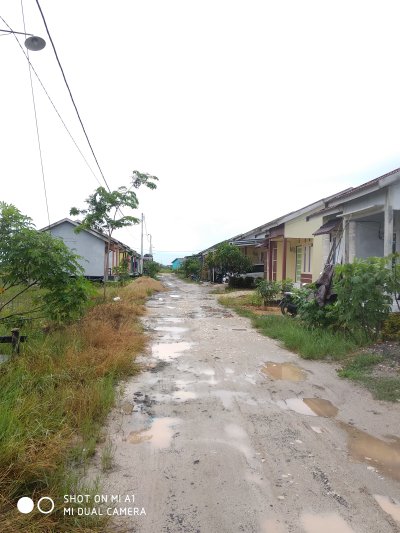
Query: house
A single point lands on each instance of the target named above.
(361, 222)
(176, 263)
(91, 246)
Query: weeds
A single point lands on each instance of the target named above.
(362, 369)
(308, 343)
(55, 397)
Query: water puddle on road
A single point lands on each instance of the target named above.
(327, 522)
(171, 329)
(309, 406)
(286, 371)
(169, 350)
(383, 456)
(172, 319)
(159, 435)
(389, 505)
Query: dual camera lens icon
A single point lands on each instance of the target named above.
(25, 505)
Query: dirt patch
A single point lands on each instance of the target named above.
(390, 352)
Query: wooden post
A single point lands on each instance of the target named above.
(15, 340)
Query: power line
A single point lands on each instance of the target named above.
(52, 103)
(37, 125)
(70, 94)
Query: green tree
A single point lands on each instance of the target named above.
(104, 210)
(191, 266)
(151, 268)
(29, 260)
(228, 259)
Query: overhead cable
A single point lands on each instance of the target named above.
(52, 103)
(37, 125)
(70, 94)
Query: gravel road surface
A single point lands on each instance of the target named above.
(225, 432)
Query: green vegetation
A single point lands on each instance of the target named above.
(228, 259)
(55, 397)
(308, 343)
(362, 369)
(103, 206)
(39, 276)
(360, 314)
(190, 268)
(151, 268)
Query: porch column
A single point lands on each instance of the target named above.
(352, 241)
(270, 261)
(284, 258)
(388, 225)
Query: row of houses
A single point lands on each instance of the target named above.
(360, 222)
(91, 247)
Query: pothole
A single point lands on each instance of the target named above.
(380, 455)
(309, 406)
(159, 435)
(285, 371)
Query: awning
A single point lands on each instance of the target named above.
(329, 226)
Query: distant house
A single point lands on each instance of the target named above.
(176, 263)
(91, 246)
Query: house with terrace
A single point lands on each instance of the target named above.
(361, 222)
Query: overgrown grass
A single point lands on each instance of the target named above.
(54, 399)
(308, 343)
(360, 368)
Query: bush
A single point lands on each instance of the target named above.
(268, 290)
(151, 268)
(364, 294)
(391, 327)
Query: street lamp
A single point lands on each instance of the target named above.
(33, 42)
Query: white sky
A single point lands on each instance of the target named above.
(244, 110)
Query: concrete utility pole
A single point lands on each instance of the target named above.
(150, 247)
(141, 248)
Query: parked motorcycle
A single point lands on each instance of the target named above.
(287, 304)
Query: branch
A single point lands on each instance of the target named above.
(24, 313)
(18, 294)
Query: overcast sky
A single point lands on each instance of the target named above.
(244, 110)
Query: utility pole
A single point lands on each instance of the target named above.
(141, 249)
(150, 248)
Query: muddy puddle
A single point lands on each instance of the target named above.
(159, 435)
(378, 454)
(169, 350)
(310, 406)
(285, 371)
(326, 523)
(389, 505)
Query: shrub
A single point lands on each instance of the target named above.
(268, 290)
(364, 294)
(391, 327)
(239, 282)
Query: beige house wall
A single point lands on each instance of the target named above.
(300, 228)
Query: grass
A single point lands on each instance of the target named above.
(362, 369)
(308, 343)
(55, 397)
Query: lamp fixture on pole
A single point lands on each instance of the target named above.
(32, 43)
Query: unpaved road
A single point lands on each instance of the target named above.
(207, 442)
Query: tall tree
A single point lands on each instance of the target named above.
(104, 210)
